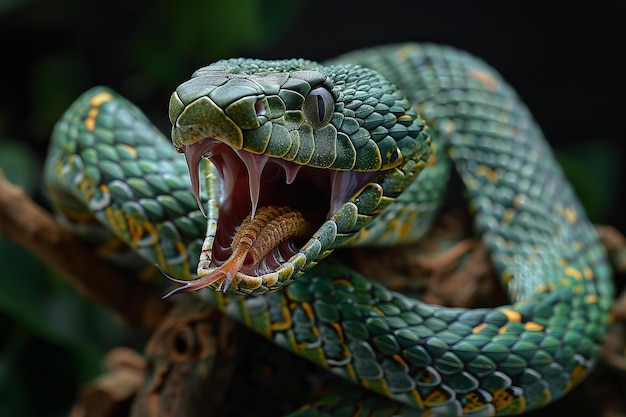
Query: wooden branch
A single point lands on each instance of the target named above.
(29, 225)
(112, 393)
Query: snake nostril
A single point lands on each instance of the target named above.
(259, 108)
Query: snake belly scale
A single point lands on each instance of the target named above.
(362, 146)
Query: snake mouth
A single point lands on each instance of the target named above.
(250, 181)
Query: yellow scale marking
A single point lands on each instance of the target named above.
(531, 325)
(505, 401)
(488, 172)
(95, 102)
(417, 399)
(508, 216)
(135, 228)
(338, 329)
(90, 121)
(484, 78)
(568, 213)
(516, 317)
(577, 374)
(378, 385)
(512, 315)
(131, 150)
(314, 354)
(435, 397)
(280, 326)
(574, 273)
(98, 99)
(478, 328)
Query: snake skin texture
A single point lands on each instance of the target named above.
(402, 117)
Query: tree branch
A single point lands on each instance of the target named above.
(26, 223)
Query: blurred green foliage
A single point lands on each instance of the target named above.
(596, 171)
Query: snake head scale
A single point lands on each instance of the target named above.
(334, 143)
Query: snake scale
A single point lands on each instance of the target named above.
(362, 148)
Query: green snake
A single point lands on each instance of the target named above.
(361, 147)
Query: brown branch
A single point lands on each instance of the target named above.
(26, 223)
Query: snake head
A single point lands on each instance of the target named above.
(335, 143)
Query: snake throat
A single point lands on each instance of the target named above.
(250, 181)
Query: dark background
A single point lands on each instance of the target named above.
(565, 58)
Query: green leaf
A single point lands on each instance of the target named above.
(594, 169)
(47, 308)
(19, 164)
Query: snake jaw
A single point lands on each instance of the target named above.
(251, 181)
(266, 236)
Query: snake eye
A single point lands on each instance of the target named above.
(318, 107)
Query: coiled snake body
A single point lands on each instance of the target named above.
(342, 146)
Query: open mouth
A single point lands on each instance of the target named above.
(252, 181)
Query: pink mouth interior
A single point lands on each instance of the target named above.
(251, 180)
